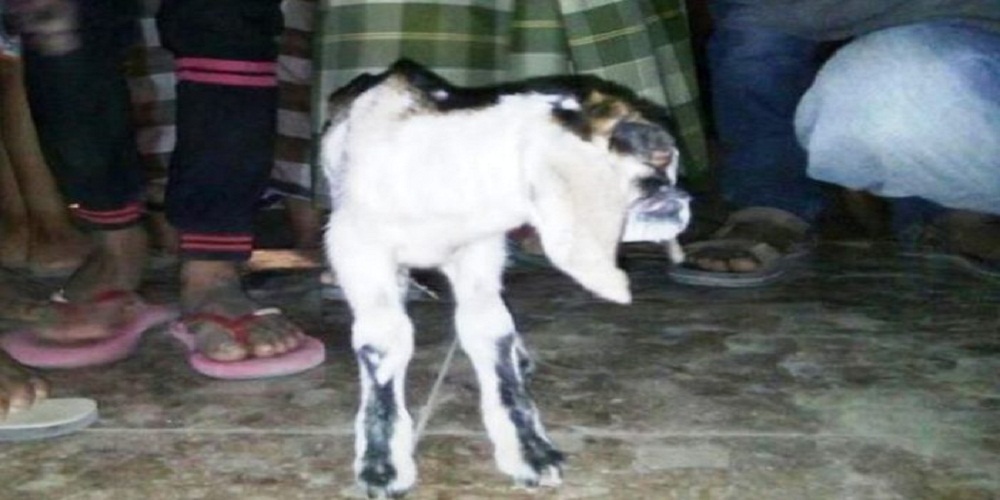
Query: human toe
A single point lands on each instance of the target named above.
(714, 265)
(743, 265)
(274, 335)
(220, 346)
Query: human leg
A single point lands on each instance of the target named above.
(226, 101)
(79, 101)
(306, 221)
(758, 76)
(14, 235)
(924, 108)
(13, 214)
(55, 244)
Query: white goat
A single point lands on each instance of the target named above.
(427, 175)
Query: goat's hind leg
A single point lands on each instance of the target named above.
(382, 337)
(487, 333)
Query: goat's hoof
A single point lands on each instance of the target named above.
(383, 490)
(550, 477)
(543, 468)
(381, 479)
(378, 492)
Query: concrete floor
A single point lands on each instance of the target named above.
(868, 376)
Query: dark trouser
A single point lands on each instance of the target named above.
(759, 76)
(80, 105)
(226, 112)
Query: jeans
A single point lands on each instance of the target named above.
(909, 112)
(757, 79)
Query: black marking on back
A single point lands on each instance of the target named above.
(577, 87)
(435, 93)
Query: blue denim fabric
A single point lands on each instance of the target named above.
(910, 111)
(758, 77)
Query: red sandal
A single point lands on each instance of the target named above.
(31, 350)
(309, 354)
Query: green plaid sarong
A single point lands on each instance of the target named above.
(642, 44)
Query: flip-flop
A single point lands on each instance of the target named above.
(935, 241)
(49, 418)
(309, 354)
(774, 262)
(772, 266)
(26, 347)
(983, 268)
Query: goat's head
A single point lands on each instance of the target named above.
(620, 157)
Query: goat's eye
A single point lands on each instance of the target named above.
(650, 143)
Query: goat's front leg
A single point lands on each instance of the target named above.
(382, 337)
(502, 365)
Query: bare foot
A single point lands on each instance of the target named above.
(100, 295)
(214, 306)
(116, 263)
(53, 252)
(749, 237)
(19, 388)
(727, 260)
(70, 323)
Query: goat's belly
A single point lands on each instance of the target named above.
(422, 257)
(431, 245)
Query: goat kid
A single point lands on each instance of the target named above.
(427, 175)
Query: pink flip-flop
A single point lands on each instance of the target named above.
(309, 354)
(30, 350)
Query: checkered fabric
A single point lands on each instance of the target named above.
(642, 44)
(152, 83)
(151, 80)
(293, 172)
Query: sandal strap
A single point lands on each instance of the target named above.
(778, 228)
(770, 215)
(59, 296)
(267, 311)
(237, 326)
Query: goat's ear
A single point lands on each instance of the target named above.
(578, 208)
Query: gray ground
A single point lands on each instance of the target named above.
(868, 376)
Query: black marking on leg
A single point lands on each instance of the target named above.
(512, 368)
(380, 420)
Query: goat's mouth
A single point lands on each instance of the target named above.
(650, 185)
(660, 214)
(666, 203)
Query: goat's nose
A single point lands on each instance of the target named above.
(661, 158)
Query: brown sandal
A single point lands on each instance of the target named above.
(770, 236)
